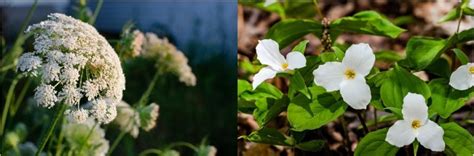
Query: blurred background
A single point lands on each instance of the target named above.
(206, 31)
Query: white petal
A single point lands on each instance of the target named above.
(414, 107)
(431, 136)
(295, 60)
(329, 75)
(262, 75)
(269, 2)
(400, 134)
(471, 4)
(268, 53)
(356, 93)
(461, 78)
(359, 57)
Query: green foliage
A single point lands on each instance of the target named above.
(313, 145)
(295, 9)
(287, 31)
(270, 136)
(399, 83)
(458, 140)
(301, 47)
(297, 85)
(387, 55)
(374, 144)
(422, 51)
(366, 22)
(461, 56)
(446, 100)
(308, 114)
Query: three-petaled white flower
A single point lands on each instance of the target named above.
(269, 2)
(415, 124)
(463, 77)
(268, 53)
(348, 75)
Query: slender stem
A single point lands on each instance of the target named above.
(116, 142)
(344, 133)
(185, 144)
(87, 137)
(147, 93)
(459, 24)
(362, 121)
(151, 151)
(415, 148)
(96, 12)
(8, 67)
(20, 97)
(57, 116)
(60, 140)
(375, 118)
(8, 101)
(318, 10)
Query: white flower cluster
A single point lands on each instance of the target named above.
(74, 61)
(130, 119)
(169, 58)
(76, 133)
(137, 43)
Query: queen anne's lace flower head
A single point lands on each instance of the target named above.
(168, 58)
(127, 119)
(77, 116)
(74, 61)
(138, 39)
(148, 116)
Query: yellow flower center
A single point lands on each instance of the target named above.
(284, 66)
(471, 69)
(415, 124)
(350, 74)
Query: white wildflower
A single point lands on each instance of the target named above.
(45, 95)
(348, 76)
(138, 39)
(168, 58)
(415, 124)
(268, 53)
(463, 77)
(148, 116)
(127, 119)
(77, 116)
(29, 62)
(73, 57)
(104, 110)
(77, 133)
(471, 4)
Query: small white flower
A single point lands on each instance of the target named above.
(269, 2)
(70, 95)
(28, 62)
(127, 119)
(148, 116)
(268, 53)
(77, 116)
(463, 77)
(415, 124)
(104, 110)
(349, 76)
(138, 39)
(45, 95)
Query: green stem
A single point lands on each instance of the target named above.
(185, 144)
(60, 140)
(87, 138)
(344, 134)
(318, 11)
(116, 142)
(375, 118)
(57, 116)
(415, 148)
(150, 151)
(8, 101)
(20, 97)
(96, 12)
(147, 93)
(362, 121)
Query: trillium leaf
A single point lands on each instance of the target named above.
(270, 136)
(339, 53)
(389, 56)
(312, 146)
(458, 140)
(451, 15)
(301, 47)
(259, 97)
(398, 84)
(297, 85)
(446, 100)
(307, 114)
(422, 51)
(374, 144)
(328, 57)
(243, 86)
(439, 67)
(271, 109)
(366, 22)
(312, 62)
(287, 31)
(461, 56)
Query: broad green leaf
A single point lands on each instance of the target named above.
(387, 55)
(312, 146)
(275, 7)
(400, 82)
(306, 114)
(297, 85)
(312, 62)
(446, 100)
(366, 22)
(457, 139)
(461, 56)
(287, 31)
(242, 86)
(374, 144)
(301, 47)
(422, 51)
(339, 53)
(270, 110)
(454, 14)
(439, 67)
(328, 56)
(463, 36)
(396, 111)
(270, 136)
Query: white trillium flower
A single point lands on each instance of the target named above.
(268, 53)
(471, 4)
(463, 77)
(415, 124)
(269, 2)
(348, 75)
